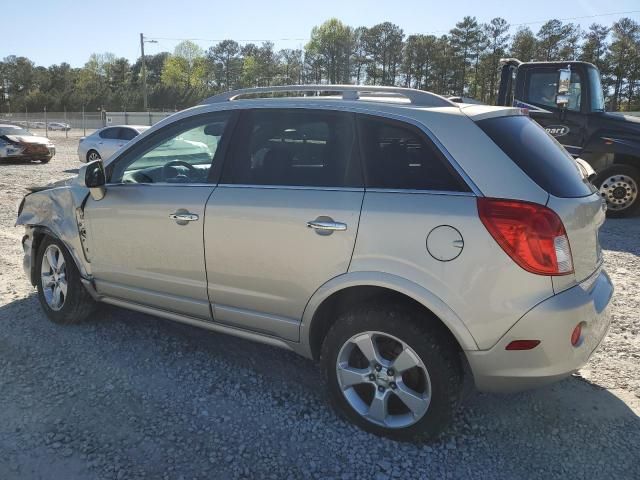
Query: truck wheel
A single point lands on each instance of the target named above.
(392, 373)
(61, 293)
(619, 185)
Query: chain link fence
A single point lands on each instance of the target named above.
(62, 121)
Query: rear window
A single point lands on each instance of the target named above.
(398, 156)
(540, 156)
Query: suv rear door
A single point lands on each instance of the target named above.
(284, 218)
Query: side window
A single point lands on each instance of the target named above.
(182, 152)
(294, 147)
(398, 156)
(109, 133)
(128, 133)
(543, 86)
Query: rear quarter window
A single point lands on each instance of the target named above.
(540, 156)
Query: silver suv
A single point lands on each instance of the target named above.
(401, 240)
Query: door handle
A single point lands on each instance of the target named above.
(330, 226)
(183, 217)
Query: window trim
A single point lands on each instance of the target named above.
(242, 123)
(167, 131)
(423, 133)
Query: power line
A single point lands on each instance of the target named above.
(560, 19)
(215, 40)
(577, 18)
(222, 39)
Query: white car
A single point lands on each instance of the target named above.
(59, 126)
(103, 143)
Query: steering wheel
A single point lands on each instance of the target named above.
(179, 163)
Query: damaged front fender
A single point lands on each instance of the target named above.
(57, 211)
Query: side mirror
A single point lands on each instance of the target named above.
(564, 81)
(93, 177)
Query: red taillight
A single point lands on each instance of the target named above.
(522, 345)
(531, 234)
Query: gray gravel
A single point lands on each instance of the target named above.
(126, 395)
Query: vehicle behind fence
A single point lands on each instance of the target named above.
(81, 120)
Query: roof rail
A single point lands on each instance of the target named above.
(349, 92)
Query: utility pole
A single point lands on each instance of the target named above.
(144, 74)
(144, 70)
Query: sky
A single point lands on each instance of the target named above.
(55, 31)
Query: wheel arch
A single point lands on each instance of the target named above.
(357, 287)
(38, 234)
(58, 213)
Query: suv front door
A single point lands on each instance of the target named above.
(145, 235)
(283, 220)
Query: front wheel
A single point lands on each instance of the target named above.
(93, 155)
(618, 185)
(392, 372)
(60, 291)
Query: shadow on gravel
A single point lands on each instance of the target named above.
(4, 161)
(127, 395)
(621, 234)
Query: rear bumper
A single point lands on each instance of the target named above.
(551, 322)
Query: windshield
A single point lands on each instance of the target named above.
(14, 131)
(597, 96)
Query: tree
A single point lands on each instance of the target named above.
(383, 49)
(595, 46)
(497, 36)
(555, 39)
(465, 39)
(332, 44)
(624, 58)
(524, 45)
(186, 67)
(226, 63)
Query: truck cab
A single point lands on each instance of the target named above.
(566, 98)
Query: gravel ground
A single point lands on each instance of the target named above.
(126, 395)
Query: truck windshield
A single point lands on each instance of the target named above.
(597, 95)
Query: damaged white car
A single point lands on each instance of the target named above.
(16, 143)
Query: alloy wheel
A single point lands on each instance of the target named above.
(53, 277)
(94, 156)
(383, 379)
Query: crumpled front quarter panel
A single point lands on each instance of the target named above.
(55, 210)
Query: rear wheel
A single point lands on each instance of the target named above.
(391, 372)
(60, 291)
(92, 155)
(618, 185)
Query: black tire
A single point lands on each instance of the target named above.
(45, 160)
(426, 338)
(98, 157)
(77, 304)
(607, 189)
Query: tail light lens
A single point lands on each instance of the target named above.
(531, 234)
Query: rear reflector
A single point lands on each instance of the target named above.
(531, 234)
(576, 335)
(522, 345)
